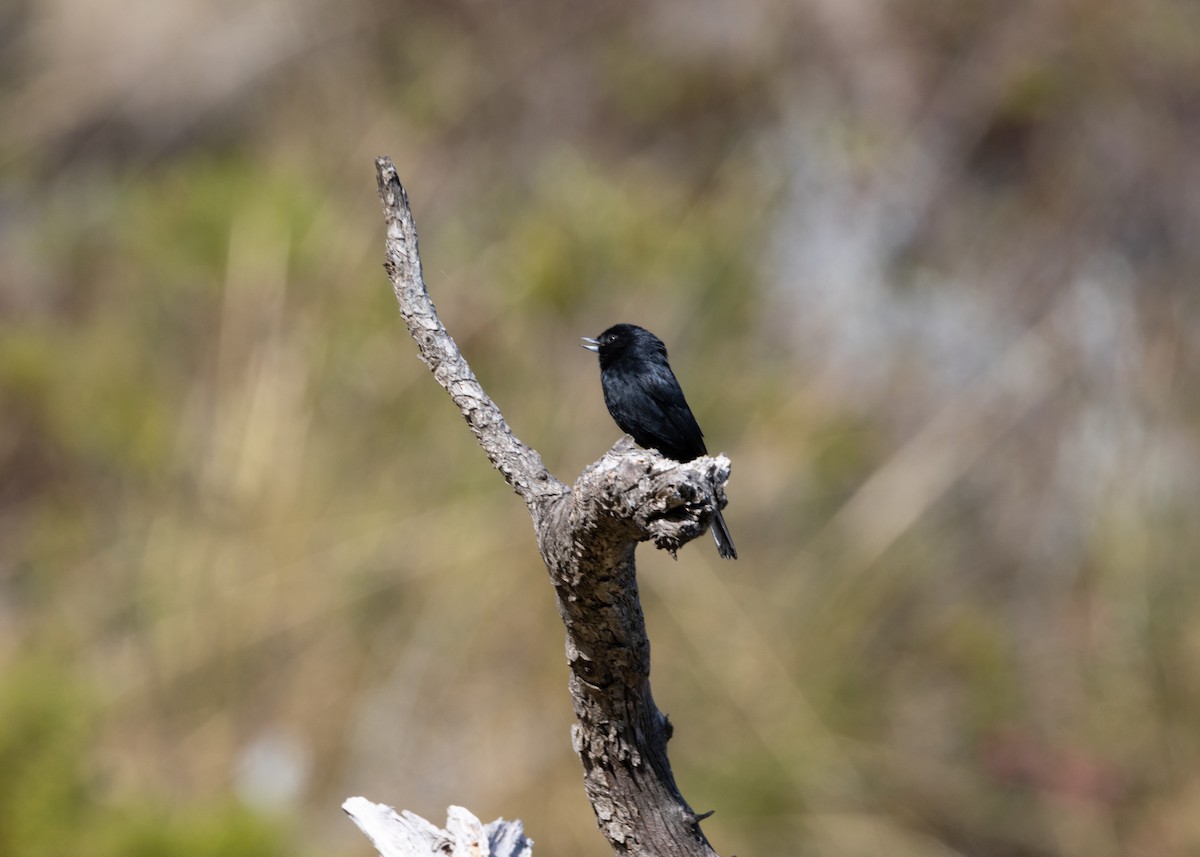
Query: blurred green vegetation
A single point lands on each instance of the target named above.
(925, 269)
(48, 789)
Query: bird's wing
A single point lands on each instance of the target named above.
(686, 440)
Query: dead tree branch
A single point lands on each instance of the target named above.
(404, 834)
(586, 536)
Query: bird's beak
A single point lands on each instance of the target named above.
(589, 343)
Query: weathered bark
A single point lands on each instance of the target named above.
(404, 834)
(586, 536)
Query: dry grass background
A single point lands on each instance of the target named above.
(927, 270)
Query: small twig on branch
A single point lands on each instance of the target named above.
(586, 537)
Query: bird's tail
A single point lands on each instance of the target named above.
(721, 536)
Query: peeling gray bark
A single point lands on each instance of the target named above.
(586, 536)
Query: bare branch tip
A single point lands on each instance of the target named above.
(391, 191)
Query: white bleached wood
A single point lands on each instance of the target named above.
(405, 834)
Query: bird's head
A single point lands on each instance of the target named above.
(621, 339)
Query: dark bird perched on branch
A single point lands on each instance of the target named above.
(647, 403)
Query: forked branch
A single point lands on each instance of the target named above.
(586, 537)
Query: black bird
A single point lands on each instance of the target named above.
(645, 400)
